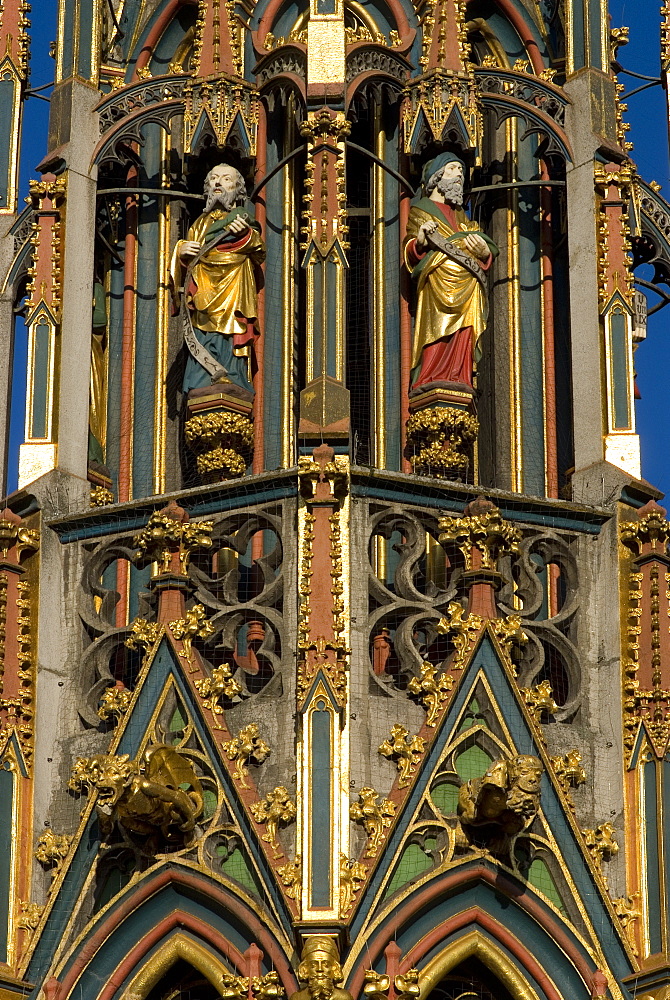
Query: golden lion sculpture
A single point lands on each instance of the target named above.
(157, 796)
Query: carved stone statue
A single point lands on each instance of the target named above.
(447, 256)
(320, 971)
(502, 803)
(159, 797)
(222, 249)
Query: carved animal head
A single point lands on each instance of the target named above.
(107, 774)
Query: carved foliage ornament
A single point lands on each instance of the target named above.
(51, 849)
(352, 875)
(374, 816)
(247, 747)
(406, 750)
(487, 532)
(194, 625)
(275, 810)
(220, 686)
(168, 532)
(431, 689)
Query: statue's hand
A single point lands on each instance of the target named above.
(238, 225)
(424, 229)
(477, 246)
(189, 248)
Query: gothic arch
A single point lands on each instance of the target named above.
(475, 944)
(178, 945)
(118, 941)
(495, 906)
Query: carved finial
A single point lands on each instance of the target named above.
(482, 535)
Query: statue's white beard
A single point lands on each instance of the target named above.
(216, 198)
(451, 189)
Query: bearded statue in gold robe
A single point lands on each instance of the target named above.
(451, 295)
(221, 287)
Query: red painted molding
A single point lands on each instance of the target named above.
(157, 30)
(217, 894)
(434, 891)
(507, 8)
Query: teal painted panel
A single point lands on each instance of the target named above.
(42, 335)
(145, 319)
(272, 332)
(67, 37)
(331, 275)
(392, 258)
(620, 380)
(531, 335)
(7, 100)
(6, 811)
(579, 34)
(319, 278)
(171, 38)
(653, 864)
(320, 819)
(114, 342)
(85, 31)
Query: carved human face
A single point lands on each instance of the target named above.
(446, 184)
(320, 971)
(528, 771)
(224, 185)
(453, 169)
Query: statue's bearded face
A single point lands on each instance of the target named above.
(224, 187)
(321, 972)
(449, 182)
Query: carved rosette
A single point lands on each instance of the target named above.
(222, 442)
(439, 441)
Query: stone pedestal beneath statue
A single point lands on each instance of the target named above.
(219, 430)
(441, 430)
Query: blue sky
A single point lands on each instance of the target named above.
(649, 133)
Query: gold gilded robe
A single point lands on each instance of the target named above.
(449, 298)
(226, 295)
